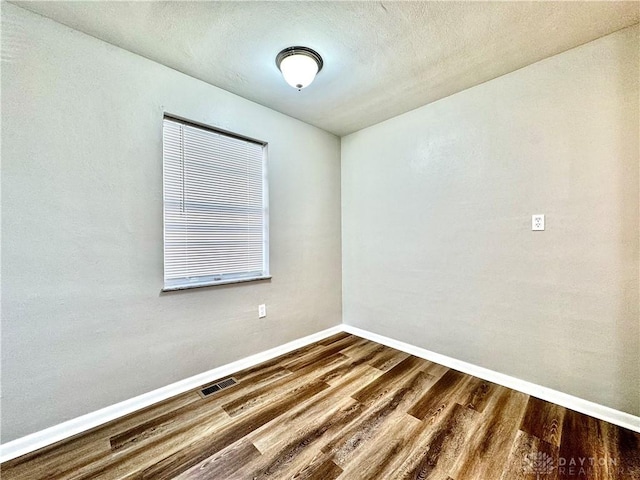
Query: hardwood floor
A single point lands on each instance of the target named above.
(345, 408)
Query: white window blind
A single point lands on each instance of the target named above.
(215, 209)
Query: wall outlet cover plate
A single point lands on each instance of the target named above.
(537, 222)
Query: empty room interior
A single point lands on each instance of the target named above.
(320, 240)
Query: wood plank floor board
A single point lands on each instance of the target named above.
(223, 464)
(386, 410)
(87, 448)
(378, 356)
(543, 420)
(388, 358)
(376, 459)
(582, 448)
(287, 447)
(333, 348)
(334, 338)
(281, 360)
(340, 370)
(489, 447)
(122, 463)
(443, 393)
(299, 448)
(349, 409)
(531, 456)
(479, 394)
(179, 419)
(321, 467)
(437, 444)
(200, 449)
(623, 452)
(316, 411)
(271, 392)
(388, 382)
(158, 426)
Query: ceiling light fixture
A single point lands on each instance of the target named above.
(299, 66)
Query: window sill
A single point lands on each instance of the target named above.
(214, 284)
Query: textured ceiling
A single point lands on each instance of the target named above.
(381, 58)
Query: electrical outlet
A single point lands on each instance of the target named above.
(262, 311)
(537, 222)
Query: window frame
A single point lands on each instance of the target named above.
(225, 279)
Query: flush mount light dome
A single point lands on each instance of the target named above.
(299, 65)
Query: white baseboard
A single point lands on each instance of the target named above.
(596, 410)
(62, 431)
(48, 436)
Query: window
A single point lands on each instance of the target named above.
(215, 207)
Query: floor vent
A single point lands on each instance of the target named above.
(216, 387)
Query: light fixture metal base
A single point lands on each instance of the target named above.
(287, 52)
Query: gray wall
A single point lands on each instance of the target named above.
(437, 243)
(83, 322)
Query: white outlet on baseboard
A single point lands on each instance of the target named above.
(262, 311)
(537, 222)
